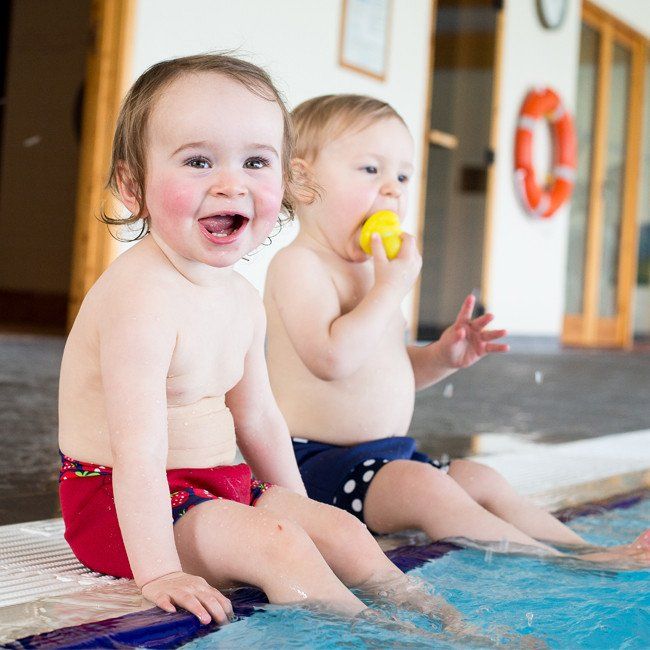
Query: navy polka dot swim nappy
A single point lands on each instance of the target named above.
(340, 476)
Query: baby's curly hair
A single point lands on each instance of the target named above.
(129, 142)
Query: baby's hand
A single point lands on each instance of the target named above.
(192, 593)
(401, 272)
(466, 341)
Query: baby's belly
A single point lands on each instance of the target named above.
(363, 407)
(200, 434)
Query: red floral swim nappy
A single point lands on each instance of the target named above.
(88, 507)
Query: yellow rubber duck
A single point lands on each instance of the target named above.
(385, 223)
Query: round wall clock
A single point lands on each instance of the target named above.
(552, 12)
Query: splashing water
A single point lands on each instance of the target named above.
(563, 606)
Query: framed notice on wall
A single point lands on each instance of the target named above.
(365, 27)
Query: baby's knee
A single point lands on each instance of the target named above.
(423, 477)
(485, 484)
(346, 527)
(475, 472)
(283, 540)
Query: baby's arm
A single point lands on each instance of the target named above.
(461, 345)
(262, 433)
(136, 339)
(334, 345)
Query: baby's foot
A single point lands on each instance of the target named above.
(639, 545)
(637, 553)
(379, 619)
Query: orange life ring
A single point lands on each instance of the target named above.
(544, 201)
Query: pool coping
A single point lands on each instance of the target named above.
(153, 628)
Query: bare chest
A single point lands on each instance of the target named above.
(353, 283)
(213, 339)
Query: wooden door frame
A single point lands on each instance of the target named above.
(427, 138)
(107, 74)
(587, 329)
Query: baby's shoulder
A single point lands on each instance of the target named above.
(137, 280)
(245, 292)
(295, 260)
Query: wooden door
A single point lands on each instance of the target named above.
(601, 262)
(107, 74)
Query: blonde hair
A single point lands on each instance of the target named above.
(322, 119)
(131, 129)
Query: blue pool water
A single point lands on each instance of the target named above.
(565, 606)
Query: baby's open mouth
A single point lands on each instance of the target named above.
(223, 225)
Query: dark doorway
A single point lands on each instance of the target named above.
(459, 158)
(42, 69)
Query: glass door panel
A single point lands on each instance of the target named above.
(579, 212)
(613, 187)
(642, 293)
(600, 261)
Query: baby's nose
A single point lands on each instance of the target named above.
(391, 188)
(228, 184)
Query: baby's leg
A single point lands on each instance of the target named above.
(344, 542)
(493, 492)
(228, 544)
(488, 488)
(356, 558)
(409, 494)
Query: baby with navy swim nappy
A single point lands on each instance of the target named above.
(164, 370)
(340, 368)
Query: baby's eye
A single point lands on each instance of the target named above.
(403, 178)
(371, 169)
(257, 163)
(198, 162)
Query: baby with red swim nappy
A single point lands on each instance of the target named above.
(164, 370)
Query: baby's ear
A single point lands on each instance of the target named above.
(128, 187)
(303, 184)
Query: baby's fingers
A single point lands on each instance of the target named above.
(220, 609)
(466, 309)
(407, 248)
(491, 335)
(497, 347)
(227, 605)
(377, 247)
(165, 603)
(194, 606)
(482, 321)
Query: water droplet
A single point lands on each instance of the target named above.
(448, 391)
(299, 591)
(539, 377)
(529, 617)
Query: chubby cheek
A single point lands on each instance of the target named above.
(175, 200)
(170, 206)
(268, 203)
